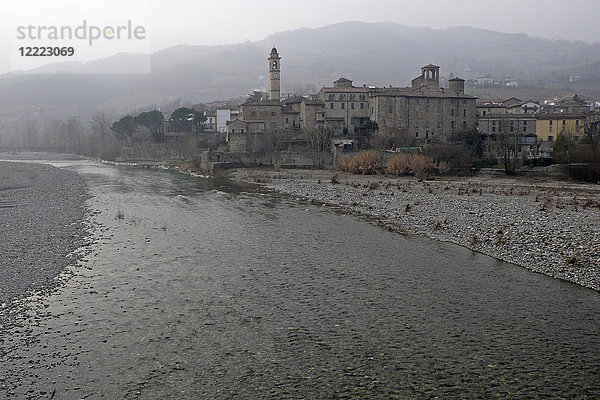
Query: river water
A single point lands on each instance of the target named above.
(204, 289)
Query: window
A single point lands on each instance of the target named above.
(416, 123)
(451, 124)
(343, 106)
(417, 108)
(464, 112)
(233, 131)
(465, 125)
(287, 121)
(352, 106)
(452, 101)
(272, 113)
(352, 97)
(342, 97)
(427, 124)
(452, 112)
(550, 130)
(331, 97)
(439, 125)
(427, 100)
(399, 123)
(332, 106)
(564, 122)
(294, 123)
(484, 113)
(417, 134)
(551, 122)
(493, 129)
(362, 106)
(418, 100)
(577, 122)
(464, 101)
(274, 64)
(551, 138)
(391, 109)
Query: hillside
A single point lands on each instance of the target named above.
(372, 53)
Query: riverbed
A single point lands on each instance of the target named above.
(206, 288)
(547, 226)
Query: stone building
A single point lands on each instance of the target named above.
(522, 126)
(346, 106)
(260, 117)
(424, 111)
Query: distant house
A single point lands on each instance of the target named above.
(483, 81)
(211, 120)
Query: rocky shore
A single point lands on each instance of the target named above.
(549, 227)
(41, 223)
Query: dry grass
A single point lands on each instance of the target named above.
(411, 164)
(363, 163)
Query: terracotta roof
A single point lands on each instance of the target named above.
(313, 102)
(418, 92)
(345, 89)
(262, 103)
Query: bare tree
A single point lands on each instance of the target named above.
(507, 145)
(100, 125)
(319, 140)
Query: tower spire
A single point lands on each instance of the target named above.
(274, 75)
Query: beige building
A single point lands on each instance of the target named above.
(424, 111)
(346, 106)
(549, 126)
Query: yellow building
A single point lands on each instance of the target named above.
(549, 126)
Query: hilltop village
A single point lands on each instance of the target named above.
(342, 118)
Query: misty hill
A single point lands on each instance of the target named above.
(368, 53)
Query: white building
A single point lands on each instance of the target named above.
(223, 116)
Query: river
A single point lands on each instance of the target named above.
(198, 288)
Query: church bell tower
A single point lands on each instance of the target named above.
(274, 75)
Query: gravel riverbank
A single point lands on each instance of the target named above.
(41, 223)
(549, 227)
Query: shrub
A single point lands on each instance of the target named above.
(421, 165)
(410, 164)
(399, 165)
(363, 163)
(443, 168)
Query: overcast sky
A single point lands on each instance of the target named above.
(173, 22)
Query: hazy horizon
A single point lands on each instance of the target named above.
(236, 21)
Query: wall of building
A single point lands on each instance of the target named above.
(548, 128)
(524, 125)
(268, 112)
(423, 117)
(223, 116)
(312, 115)
(348, 103)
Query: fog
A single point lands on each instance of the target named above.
(232, 21)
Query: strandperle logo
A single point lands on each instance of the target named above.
(85, 31)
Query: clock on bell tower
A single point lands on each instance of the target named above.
(274, 75)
